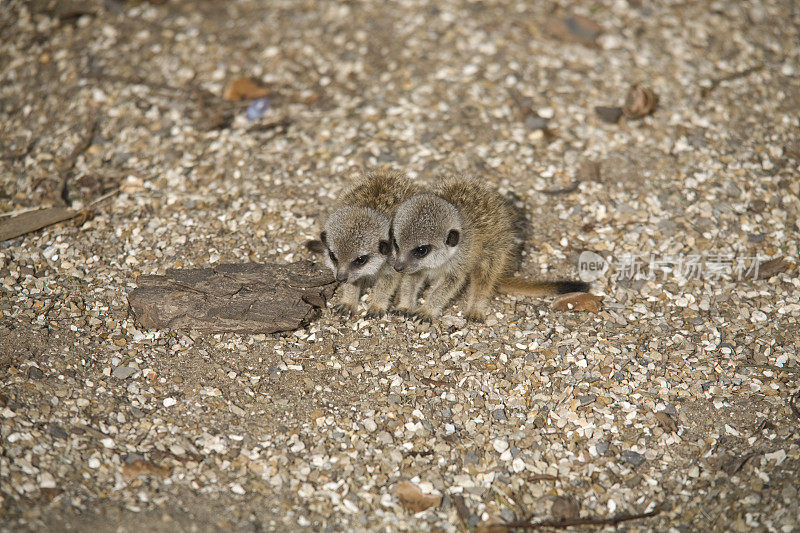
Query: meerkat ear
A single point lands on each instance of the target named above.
(323, 237)
(384, 247)
(452, 238)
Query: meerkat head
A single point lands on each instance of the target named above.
(356, 242)
(426, 232)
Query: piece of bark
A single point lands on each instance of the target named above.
(240, 298)
(33, 220)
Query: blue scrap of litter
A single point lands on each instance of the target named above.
(257, 108)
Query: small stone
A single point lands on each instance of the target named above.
(57, 431)
(499, 414)
(602, 447)
(757, 206)
(755, 238)
(35, 373)
(169, 402)
(394, 398)
(94, 463)
(535, 122)
(47, 481)
(608, 114)
(586, 399)
(508, 515)
(236, 488)
(124, 372)
(632, 457)
(500, 445)
(370, 425)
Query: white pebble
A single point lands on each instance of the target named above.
(47, 481)
(169, 402)
(500, 445)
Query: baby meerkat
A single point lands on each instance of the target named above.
(356, 238)
(464, 233)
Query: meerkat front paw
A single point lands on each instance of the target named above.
(345, 310)
(423, 314)
(475, 317)
(377, 310)
(402, 311)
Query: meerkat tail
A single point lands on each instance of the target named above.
(525, 287)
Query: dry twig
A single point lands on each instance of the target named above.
(588, 521)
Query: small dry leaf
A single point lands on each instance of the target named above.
(494, 524)
(140, 468)
(767, 269)
(639, 102)
(575, 29)
(578, 301)
(589, 171)
(244, 89)
(413, 499)
(666, 422)
(83, 216)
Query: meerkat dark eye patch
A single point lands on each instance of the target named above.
(421, 251)
(323, 237)
(384, 247)
(332, 256)
(452, 238)
(360, 260)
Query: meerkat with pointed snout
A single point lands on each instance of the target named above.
(356, 238)
(461, 234)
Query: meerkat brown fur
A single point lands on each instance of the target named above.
(356, 237)
(464, 233)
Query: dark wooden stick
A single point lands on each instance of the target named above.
(589, 521)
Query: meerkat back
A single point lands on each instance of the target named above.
(381, 190)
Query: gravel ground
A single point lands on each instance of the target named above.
(676, 397)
